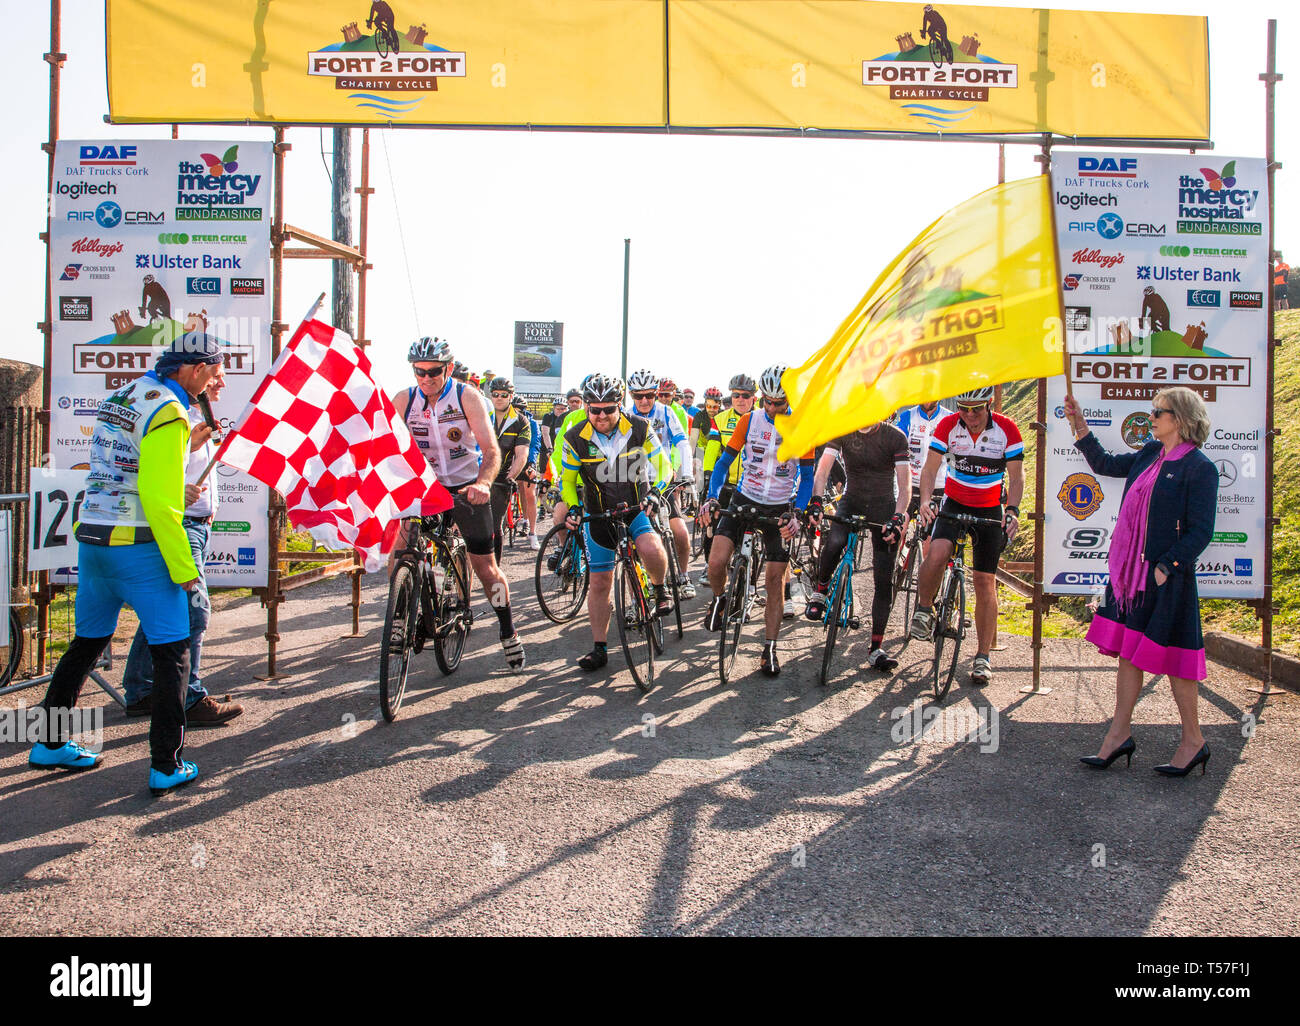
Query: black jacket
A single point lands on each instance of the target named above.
(1180, 523)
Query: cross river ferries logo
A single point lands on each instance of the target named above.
(935, 69)
(371, 68)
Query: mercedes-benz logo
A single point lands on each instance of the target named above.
(1227, 472)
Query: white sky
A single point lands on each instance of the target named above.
(745, 252)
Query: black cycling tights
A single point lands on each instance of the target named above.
(834, 538)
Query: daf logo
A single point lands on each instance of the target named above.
(1227, 472)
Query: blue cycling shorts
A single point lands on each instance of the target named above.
(601, 559)
(109, 576)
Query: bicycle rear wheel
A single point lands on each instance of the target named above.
(733, 621)
(634, 625)
(560, 592)
(399, 629)
(948, 626)
(832, 614)
(907, 586)
(452, 607)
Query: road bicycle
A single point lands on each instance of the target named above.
(906, 564)
(950, 604)
(940, 51)
(516, 526)
(744, 573)
(657, 508)
(428, 598)
(561, 588)
(386, 41)
(839, 613)
(640, 630)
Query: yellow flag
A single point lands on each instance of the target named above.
(972, 301)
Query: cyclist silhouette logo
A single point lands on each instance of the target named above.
(933, 25)
(381, 19)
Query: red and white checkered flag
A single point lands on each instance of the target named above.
(321, 432)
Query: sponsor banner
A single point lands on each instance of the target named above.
(497, 62)
(539, 356)
(713, 63)
(1176, 311)
(125, 284)
(946, 68)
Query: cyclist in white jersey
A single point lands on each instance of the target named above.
(643, 387)
(451, 423)
(918, 423)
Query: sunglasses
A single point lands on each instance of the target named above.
(773, 402)
(742, 395)
(602, 411)
(645, 395)
(1156, 413)
(502, 395)
(433, 372)
(965, 407)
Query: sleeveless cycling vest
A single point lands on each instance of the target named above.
(111, 512)
(918, 428)
(441, 430)
(765, 478)
(724, 424)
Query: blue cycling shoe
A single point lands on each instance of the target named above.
(161, 783)
(69, 756)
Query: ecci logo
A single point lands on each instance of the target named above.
(1203, 297)
(203, 286)
(1080, 496)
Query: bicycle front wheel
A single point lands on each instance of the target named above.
(833, 626)
(452, 606)
(733, 621)
(949, 625)
(673, 570)
(399, 630)
(634, 625)
(560, 592)
(905, 575)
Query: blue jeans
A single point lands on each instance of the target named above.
(137, 679)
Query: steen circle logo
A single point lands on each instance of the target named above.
(1080, 496)
(1136, 430)
(454, 435)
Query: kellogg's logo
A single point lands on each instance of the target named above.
(1096, 256)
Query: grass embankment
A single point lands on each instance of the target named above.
(1233, 617)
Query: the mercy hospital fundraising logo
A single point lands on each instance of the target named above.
(372, 68)
(215, 190)
(937, 69)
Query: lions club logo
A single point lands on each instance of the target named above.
(1080, 496)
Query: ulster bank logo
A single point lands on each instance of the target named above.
(384, 71)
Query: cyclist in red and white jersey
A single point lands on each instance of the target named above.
(981, 447)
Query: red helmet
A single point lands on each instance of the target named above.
(713, 392)
(667, 385)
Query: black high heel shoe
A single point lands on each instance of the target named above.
(1200, 758)
(1097, 762)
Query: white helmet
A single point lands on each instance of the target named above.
(433, 350)
(642, 381)
(975, 395)
(770, 382)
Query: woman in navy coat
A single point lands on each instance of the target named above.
(1151, 616)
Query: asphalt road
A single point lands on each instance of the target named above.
(555, 802)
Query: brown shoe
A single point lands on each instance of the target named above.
(144, 707)
(208, 712)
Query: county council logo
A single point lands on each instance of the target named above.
(1080, 496)
(371, 69)
(1136, 430)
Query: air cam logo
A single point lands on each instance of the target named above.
(1110, 226)
(108, 214)
(373, 67)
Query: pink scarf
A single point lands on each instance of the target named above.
(1127, 565)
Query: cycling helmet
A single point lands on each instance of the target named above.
(459, 371)
(713, 392)
(667, 385)
(742, 383)
(575, 393)
(642, 381)
(500, 384)
(602, 388)
(975, 395)
(435, 350)
(771, 381)
(688, 392)
(519, 403)
(148, 279)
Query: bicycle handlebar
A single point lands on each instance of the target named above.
(855, 521)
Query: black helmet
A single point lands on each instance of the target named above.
(500, 384)
(602, 388)
(743, 383)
